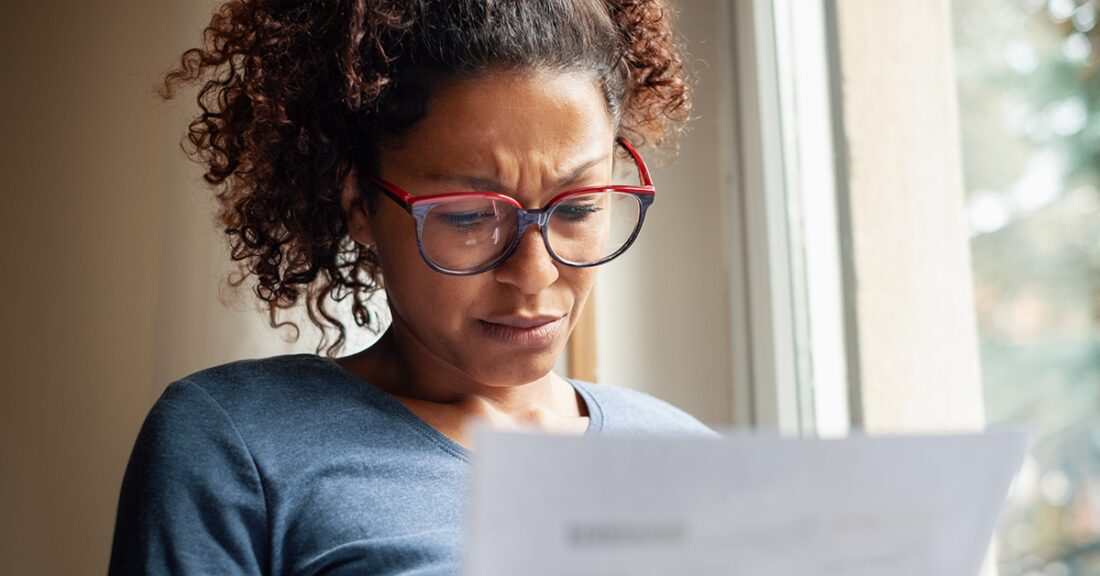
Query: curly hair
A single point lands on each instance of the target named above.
(294, 95)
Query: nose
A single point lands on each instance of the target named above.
(530, 268)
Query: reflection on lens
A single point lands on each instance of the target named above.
(589, 228)
(463, 235)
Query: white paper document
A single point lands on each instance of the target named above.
(640, 506)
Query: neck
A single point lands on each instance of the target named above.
(402, 366)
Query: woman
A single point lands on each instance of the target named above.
(338, 133)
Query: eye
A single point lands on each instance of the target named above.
(465, 220)
(578, 211)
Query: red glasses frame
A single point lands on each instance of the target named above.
(418, 207)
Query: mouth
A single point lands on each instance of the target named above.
(524, 331)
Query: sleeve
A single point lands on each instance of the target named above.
(192, 501)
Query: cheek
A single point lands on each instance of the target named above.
(425, 301)
(580, 281)
(420, 295)
(395, 239)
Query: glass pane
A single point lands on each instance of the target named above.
(467, 234)
(589, 227)
(1029, 93)
(802, 73)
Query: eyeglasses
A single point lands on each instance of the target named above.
(466, 233)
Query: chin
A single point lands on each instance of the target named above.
(516, 369)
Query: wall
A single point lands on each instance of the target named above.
(918, 352)
(110, 288)
(663, 319)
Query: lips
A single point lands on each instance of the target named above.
(524, 331)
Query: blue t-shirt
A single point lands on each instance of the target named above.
(292, 465)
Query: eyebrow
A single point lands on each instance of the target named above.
(575, 174)
(484, 184)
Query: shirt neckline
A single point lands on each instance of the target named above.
(395, 407)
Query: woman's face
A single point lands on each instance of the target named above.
(530, 136)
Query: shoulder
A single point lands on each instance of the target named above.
(631, 411)
(229, 400)
(276, 375)
(282, 401)
(192, 482)
(274, 389)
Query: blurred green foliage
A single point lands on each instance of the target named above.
(1028, 74)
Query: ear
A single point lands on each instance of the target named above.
(354, 206)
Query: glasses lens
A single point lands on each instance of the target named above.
(464, 235)
(590, 228)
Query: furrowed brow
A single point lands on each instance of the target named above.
(487, 184)
(471, 183)
(575, 174)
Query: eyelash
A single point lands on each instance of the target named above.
(465, 219)
(577, 212)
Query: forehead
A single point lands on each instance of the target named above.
(502, 118)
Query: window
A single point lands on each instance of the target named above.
(1029, 95)
(886, 216)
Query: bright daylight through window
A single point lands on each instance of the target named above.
(1029, 92)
